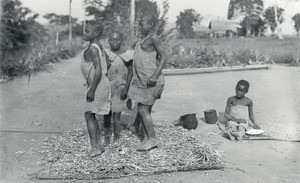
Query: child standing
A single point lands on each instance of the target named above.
(239, 112)
(147, 82)
(94, 70)
(119, 75)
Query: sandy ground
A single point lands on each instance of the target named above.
(52, 102)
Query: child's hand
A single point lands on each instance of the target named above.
(124, 93)
(242, 121)
(256, 126)
(152, 81)
(90, 96)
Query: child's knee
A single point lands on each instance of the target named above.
(143, 109)
(233, 128)
(88, 115)
(241, 130)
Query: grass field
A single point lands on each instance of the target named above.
(182, 53)
(280, 51)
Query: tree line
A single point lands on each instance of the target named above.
(252, 18)
(19, 27)
(255, 19)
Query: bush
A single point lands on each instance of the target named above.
(38, 58)
(182, 57)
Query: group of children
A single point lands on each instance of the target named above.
(115, 77)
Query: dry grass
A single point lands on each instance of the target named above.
(179, 150)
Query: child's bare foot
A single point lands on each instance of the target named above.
(106, 141)
(231, 137)
(116, 138)
(240, 138)
(149, 144)
(132, 129)
(237, 135)
(234, 133)
(139, 132)
(141, 147)
(96, 152)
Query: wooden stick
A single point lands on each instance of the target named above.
(268, 138)
(20, 131)
(212, 69)
(182, 169)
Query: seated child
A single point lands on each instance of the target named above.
(119, 75)
(239, 112)
(94, 70)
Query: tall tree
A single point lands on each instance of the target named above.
(278, 16)
(18, 30)
(59, 22)
(116, 13)
(132, 18)
(56, 21)
(248, 12)
(163, 18)
(296, 19)
(270, 18)
(70, 21)
(242, 8)
(252, 25)
(185, 22)
(15, 25)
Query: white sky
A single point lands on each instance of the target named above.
(216, 8)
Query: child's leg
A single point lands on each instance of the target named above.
(241, 131)
(137, 122)
(232, 129)
(116, 125)
(107, 128)
(145, 112)
(138, 127)
(94, 134)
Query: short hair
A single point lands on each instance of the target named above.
(116, 32)
(150, 15)
(96, 25)
(244, 83)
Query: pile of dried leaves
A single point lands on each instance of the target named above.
(65, 155)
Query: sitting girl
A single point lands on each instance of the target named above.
(239, 112)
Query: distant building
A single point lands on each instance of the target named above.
(217, 28)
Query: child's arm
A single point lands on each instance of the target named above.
(129, 78)
(97, 75)
(162, 55)
(227, 112)
(108, 62)
(133, 43)
(251, 115)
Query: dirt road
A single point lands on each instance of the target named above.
(52, 103)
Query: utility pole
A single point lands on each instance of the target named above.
(70, 22)
(132, 18)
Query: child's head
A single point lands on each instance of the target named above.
(115, 40)
(242, 88)
(147, 22)
(92, 30)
